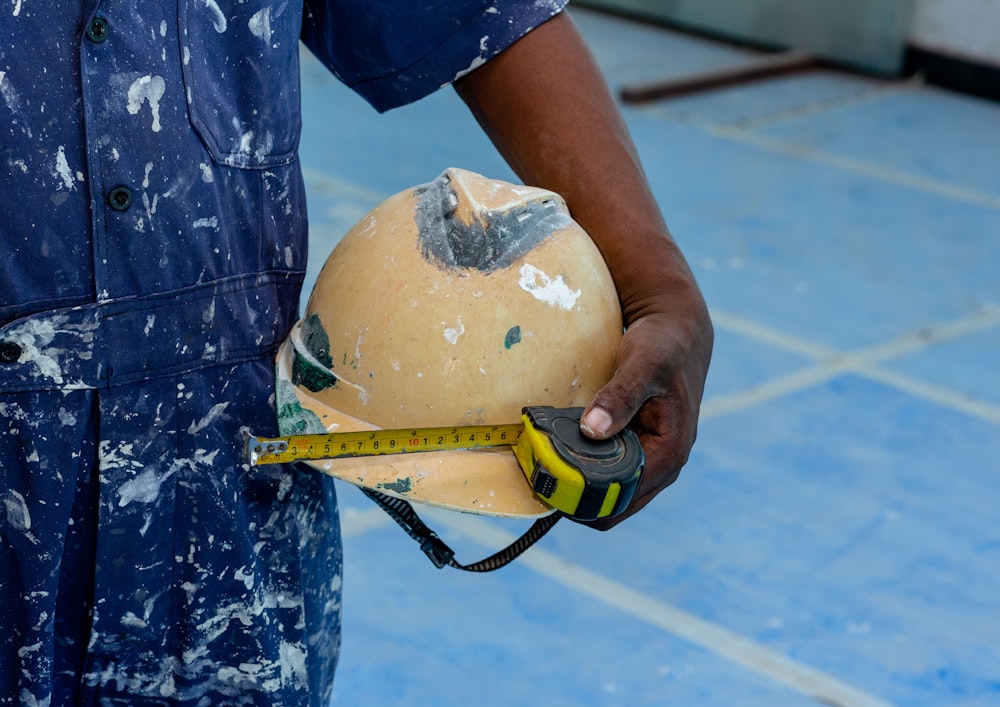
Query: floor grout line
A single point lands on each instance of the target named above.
(772, 389)
(745, 132)
(985, 317)
(847, 164)
(936, 394)
(763, 333)
(712, 637)
(863, 362)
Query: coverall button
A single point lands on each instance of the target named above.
(97, 30)
(10, 351)
(120, 198)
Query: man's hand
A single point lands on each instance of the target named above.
(656, 390)
(546, 107)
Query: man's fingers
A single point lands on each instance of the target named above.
(634, 382)
(597, 423)
(614, 406)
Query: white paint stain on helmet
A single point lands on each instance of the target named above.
(552, 291)
(452, 333)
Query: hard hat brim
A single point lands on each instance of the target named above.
(485, 482)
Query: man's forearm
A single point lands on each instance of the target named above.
(546, 107)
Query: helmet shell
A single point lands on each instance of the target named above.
(456, 302)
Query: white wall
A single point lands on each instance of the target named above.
(968, 29)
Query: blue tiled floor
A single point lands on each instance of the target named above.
(835, 536)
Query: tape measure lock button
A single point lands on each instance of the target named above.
(542, 482)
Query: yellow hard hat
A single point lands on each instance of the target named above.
(456, 302)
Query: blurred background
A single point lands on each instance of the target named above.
(832, 171)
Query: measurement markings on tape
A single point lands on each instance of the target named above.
(336, 445)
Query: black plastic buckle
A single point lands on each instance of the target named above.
(439, 553)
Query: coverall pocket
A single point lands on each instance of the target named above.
(241, 72)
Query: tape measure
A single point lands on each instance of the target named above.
(584, 478)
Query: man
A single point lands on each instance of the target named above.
(154, 246)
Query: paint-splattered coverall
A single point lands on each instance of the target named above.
(153, 246)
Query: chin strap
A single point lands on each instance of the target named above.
(442, 555)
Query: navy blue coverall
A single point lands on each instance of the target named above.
(153, 228)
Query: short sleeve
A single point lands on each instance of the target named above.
(394, 52)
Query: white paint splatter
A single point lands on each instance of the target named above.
(25, 651)
(149, 89)
(245, 139)
(265, 146)
(219, 19)
(212, 415)
(18, 514)
(206, 173)
(208, 315)
(359, 342)
(10, 95)
(62, 169)
(476, 63)
(293, 663)
(144, 488)
(452, 333)
(130, 619)
(208, 222)
(150, 207)
(66, 417)
(150, 320)
(241, 575)
(118, 457)
(36, 336)
(260, 24)
(553, 292)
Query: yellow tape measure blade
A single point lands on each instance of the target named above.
(582, 477)
(339, 445)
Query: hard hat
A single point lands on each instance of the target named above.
(456, 302)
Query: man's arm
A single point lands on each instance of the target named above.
(546, 107)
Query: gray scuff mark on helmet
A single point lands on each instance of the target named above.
(307, 373)
(316, 339)
(493, 240)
